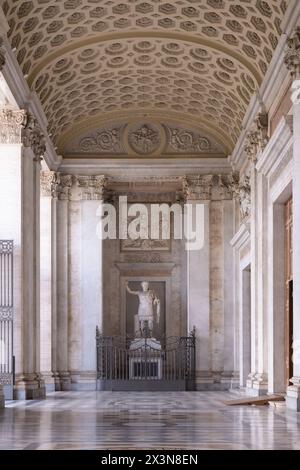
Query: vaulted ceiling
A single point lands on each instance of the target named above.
(185, 70)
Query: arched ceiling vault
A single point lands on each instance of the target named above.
(103, 63)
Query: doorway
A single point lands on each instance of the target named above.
(288, 291)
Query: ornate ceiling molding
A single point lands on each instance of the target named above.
(223, 48)
(146, 74)
(101, 39)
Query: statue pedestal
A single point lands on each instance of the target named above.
(145, 360)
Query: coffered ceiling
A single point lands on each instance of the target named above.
(101, 66)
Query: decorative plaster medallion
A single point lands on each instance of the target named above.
(145, 138)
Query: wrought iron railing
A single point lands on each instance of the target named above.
(144, 363)
(6, 314)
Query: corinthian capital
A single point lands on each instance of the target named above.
(92, 187)
(49, 184)
(64, 186)
(261, 123)
(252, 145)
(292, 54)
(12, 121)
(33, 137)
(244, 196)
(197, 187)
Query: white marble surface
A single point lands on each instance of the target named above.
(144, 420)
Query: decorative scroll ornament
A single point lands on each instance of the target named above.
(12, 121)
(144, 140)
(104, 141)
(33, 137)
(183, 140)
(92, 187)
(292, 54)
(2, 55)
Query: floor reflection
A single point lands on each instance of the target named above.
(177, 420)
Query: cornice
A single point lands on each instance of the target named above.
(242, 237)
(135, 167)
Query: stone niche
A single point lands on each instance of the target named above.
(160, 262)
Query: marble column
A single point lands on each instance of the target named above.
(62, 285)
(198, 303)
(221, 282)
(257, 382)
(292, 61)
(48, 297)
(91, 286)
(22, 148)
(242, 280)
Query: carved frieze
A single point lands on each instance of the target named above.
(186, 141)
(107, 140)
(144, 138)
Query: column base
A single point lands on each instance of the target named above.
(63, 381)
(214, 381)
(293, 395)
(235, 381)
(257, 385)
(29, 387)
(2, 401)
(84, 380)
(49, 381)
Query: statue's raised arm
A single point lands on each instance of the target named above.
(134, 292)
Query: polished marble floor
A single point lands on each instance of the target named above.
(145, 420)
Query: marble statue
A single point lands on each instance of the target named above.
(147, 301)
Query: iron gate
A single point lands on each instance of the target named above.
(145, 364)
(6, 317)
